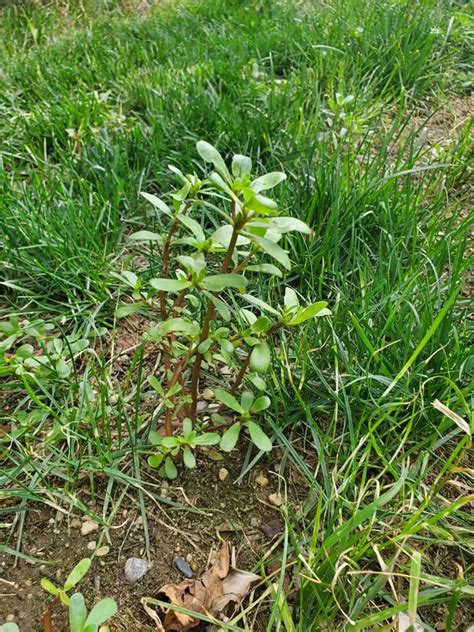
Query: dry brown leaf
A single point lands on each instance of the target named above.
(209, 594)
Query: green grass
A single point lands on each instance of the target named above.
(92, 114)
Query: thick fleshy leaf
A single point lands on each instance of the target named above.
(169, 285)
(290, 224)
(228, 400)
(260, 357)
(156, 385)
(308, 312)
(101, 612)
(291, 300)
(207, 438)
(265, 268)
(261, 325)
(170, 442)
(262, 403)
(210, 154)
(157, 203)
(219, 282)
(49, 587)
(257, 381)
(195, 264)
(181, 325)
(241, 165)
(274, 250)
(189, 458)
(230, 437)
(126, 276)
(170, 468)
(155, 460)
(247, 400)
(259, 438)
(145, 235)
(77, 573)
(259, 303)
(220, 306)
(192, 226)
(77, 613)
(125, 309)
(268, 181)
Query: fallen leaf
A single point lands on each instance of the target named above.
(210, 594)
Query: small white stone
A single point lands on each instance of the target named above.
(89, 527)
(102, 551)
(261, 480)
(91, 545)
(276, 499)
(208, 394)
(136, 569)
(223, 473)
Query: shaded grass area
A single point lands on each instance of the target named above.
(95, 101)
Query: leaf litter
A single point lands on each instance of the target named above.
(216, 593)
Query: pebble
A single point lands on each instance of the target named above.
(201, 406)
(102, 551)
(276, 499)
(223, 473)
(91, 545)
(208, 394)
(76, 523)
(183, 567)
(10, 618)
(89, 527)
(261, 480)
(254, 522)
(136, 569)
(113, 399)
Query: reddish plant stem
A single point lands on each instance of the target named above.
(48, 616)
(207, 323)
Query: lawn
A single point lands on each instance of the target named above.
(359, 517)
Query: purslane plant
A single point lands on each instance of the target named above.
(222, 232)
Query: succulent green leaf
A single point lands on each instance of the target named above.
(145, 235)
(262, 403)
(157, 203)
(228, 400)
(125, 309)
(48, 585)
(309, 312)
(230, 437)
(77, 573)
(291, 300)
(259, 438)
(101, 612)
(207, 438)
(265, 268)
(192, 226)
(247, 400)
(268, 181)
(262, 324)
(156, 385)
(189, 458)
(274, 250)
(290, 224)
(77, 613)
(220, 305)
(169, 285)
(260, 357)
(170, 442)
(219, 282)
(210, 154)
(259, 303)
(155, 460)
(241, 165)
(170, 468)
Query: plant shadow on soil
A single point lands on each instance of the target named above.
(238, 513)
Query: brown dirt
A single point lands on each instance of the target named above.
(239, 513)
